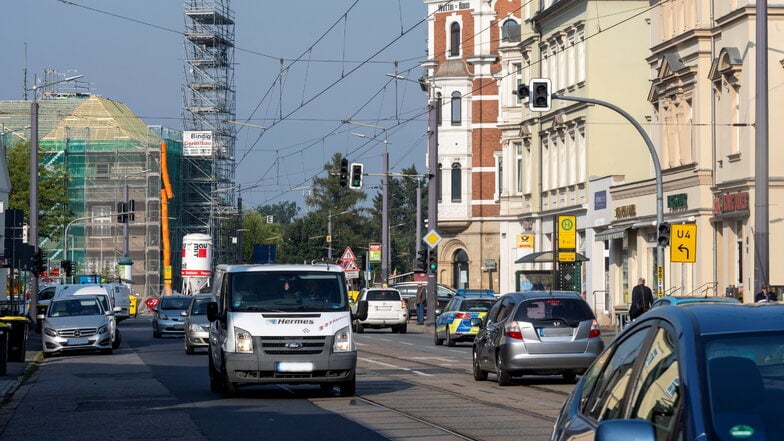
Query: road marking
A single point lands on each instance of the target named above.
(395, 366)
(406, 343)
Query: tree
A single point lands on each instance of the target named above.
(282, 212)
(53, 203)
(258, 232)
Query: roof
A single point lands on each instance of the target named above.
(547, 257)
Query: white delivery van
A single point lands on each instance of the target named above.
(122, 299)
(106, 300)
(281, 324)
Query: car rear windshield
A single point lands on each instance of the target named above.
(288, 291)
(383, 295)
(477, 305)
(175, 303)
(571, 310)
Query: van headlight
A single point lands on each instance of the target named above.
(243, 341)
(342, 341)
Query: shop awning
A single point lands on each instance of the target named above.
(612, 233)
(546, 257)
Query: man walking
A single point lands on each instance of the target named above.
(421, 298)
(642, 299)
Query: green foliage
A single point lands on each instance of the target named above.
(282, 212)
(53, 200)
(258, 231)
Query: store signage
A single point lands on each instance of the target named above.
(729, 202)
(626, 211)
(678, 202)
(600, 200)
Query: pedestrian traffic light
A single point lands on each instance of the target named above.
(361, 261)
(540, 100)
(356, 175)
(67, 266)
(421, 260)
(344, 172)
(664, 234)
(432, 261)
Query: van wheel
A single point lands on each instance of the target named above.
(479, 374)
(348, 388)
(229, 388)
(215, 380)
(117, 339)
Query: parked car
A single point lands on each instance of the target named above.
(168, 318)
(121, 296)
(385, 309)
(682, 300)
(536, 332)
(76, 323)
(409, 289)
(453, 324)
(701, 371)
(197, 326)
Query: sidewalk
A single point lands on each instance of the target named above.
(17, 372)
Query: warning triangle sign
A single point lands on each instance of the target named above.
(351, 266)
(348, 255)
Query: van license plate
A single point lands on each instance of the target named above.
(77, 341)
(289, 366)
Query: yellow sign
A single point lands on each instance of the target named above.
(167, 272)
(525, 240)
(432, 238)
(567, 232)
(567, 256)
(683, 243)
(329, 238)
(374, 252)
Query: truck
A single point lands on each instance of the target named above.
(281, 324)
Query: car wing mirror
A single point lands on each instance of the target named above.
(362, 310)
(212, 311)
(184, 313)
(438, 312)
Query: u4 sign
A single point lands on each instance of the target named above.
(683, 243)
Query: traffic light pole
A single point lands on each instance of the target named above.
(432, 203)
(656, 167)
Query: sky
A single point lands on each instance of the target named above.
(337, 56)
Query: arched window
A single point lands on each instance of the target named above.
(457, 182)
(456, 107)
(460, 269)
(439, 108)
(510, 31)
(454, 39)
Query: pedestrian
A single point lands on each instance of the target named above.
(421, 300)
(642, 299)
(766, 295)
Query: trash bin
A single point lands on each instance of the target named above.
(132, 306)
(5, 330)
(17, 337)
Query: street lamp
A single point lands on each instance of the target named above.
(384, 204)
(329, 233)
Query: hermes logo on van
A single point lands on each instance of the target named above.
(283, 321)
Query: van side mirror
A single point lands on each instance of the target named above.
(362, 310)
(212, 311)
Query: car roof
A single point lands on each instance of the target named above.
(280, 267)
(693, 299)
(528, 295)
(471, 292)
(204, 295)
(719, 318)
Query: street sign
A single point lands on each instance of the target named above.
(374, 252)
(431, 239)
(567, 256)
(683, 243)
(567, 232)
(329, 238)
(348, 255)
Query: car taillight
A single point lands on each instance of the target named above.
(512, 330)
(463, 315)
(595, 332)
(404, 304)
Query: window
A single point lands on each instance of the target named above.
(657, 389)
(517, 68)
(518, 148)
(102, 221)
(510, 31)
(456, 108)
(439, 180)
(456, 182)
(439, 108)
(499, 160)
(454, 39)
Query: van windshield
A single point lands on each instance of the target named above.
(287, 291)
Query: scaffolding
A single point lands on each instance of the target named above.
(106, 149)
(209, 192)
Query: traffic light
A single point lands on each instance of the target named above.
(39, 263)
(122, 213)
(664, 234)
(540, 100)
(132, 210)
(344, 172)
(67, 266)
(522, 91)
(361, 261)
(432, 260)
(356, 176)
(421, 260)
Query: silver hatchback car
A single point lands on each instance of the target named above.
(536, 332)
(168, 318)
(197, 326)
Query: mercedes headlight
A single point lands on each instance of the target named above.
(50, 332)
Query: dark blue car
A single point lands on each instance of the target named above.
(702, 371)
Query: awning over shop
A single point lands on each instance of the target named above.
(546, 257)
(612, 233)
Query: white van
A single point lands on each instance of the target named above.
(122, 299)
(107, 302)
(285, 324)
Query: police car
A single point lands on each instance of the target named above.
(453, 323)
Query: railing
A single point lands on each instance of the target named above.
(606, 309)
(705, 287)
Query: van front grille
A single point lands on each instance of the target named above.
(300, 345)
